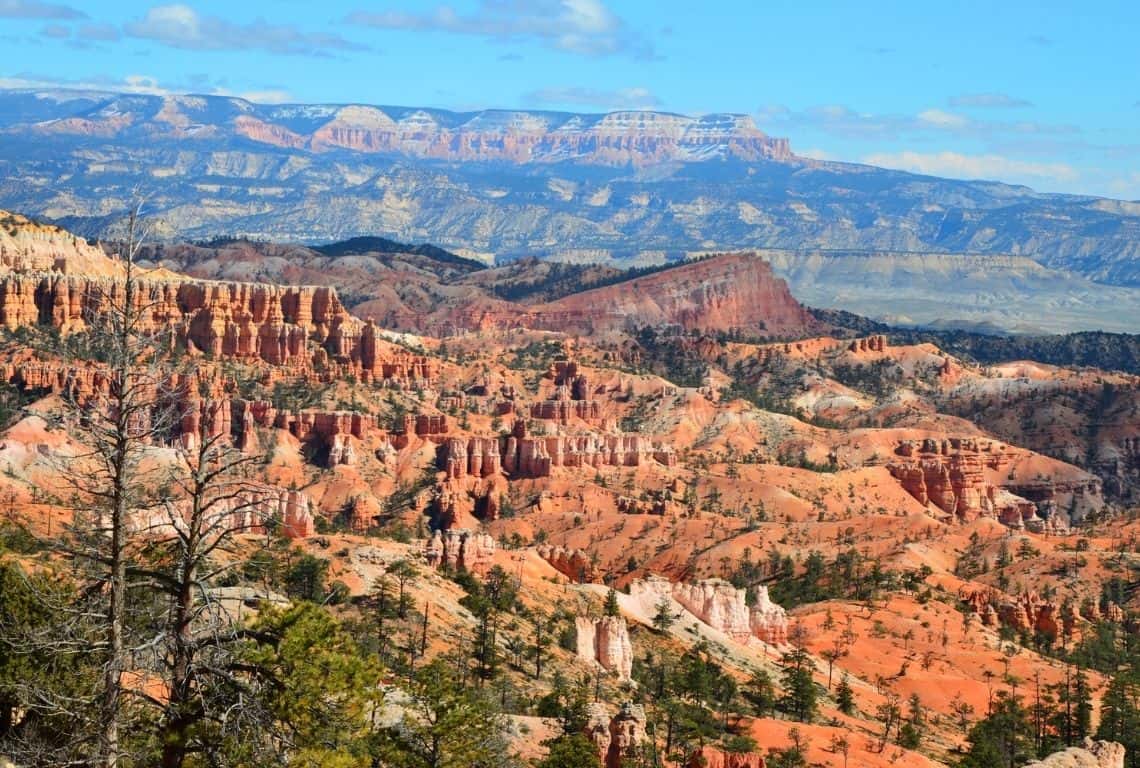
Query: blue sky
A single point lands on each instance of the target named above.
(1041, 93)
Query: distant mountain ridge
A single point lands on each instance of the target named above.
(625, 188)
(513, 136)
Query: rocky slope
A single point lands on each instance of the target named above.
(877, 505)
(444, 295)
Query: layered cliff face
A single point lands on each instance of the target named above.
(615, 139)
(520, 455)
(1027, 612)
(459, 549)
(253, 509)
(616, 738)
(27, 246)
(971, 477)
(718, 604)
(728, 292)
(721, 606)
(605, 640)
(574, 564)
(303, 329)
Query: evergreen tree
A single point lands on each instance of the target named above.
(611, 606)
(761, 692)
(663, 618)
(571, 751)
(1120, 717)
(845, 696)
(800, 697)
(445, 726)
(1003, 739)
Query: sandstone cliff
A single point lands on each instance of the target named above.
(970, 477)
(728, 292)
(303, 329)
(1094, 754)
(720, 605)
(616, 738)
(460, 550)
(26, 246)
(605, 640)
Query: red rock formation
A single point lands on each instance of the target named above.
(868, 344)
(605, 640)
(460, 500)
(627, 732)
(461, 550)
(960, 477)
(564, 409)
(597, 728)
(618, 138)
(304, 329)
(1024, 613)
(524, 456)
(471, 456)
(575, 564)
(711, 757)
(631, 506)
(425, 425)
(721, 293)
(250, 510)
(616, 738)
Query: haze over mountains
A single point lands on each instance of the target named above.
(625, 187)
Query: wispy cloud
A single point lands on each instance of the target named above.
(585, 27)
(98, 32)
(842, 121)
(622, 98)
(962, 166)
(180, 26)
(144, 85)
(56, 31)
(989, 101)
(33, 9)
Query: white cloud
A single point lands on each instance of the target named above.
(989, 101)
(942, 119)
(961, 166)
(180, 26)
(144, 85)
(623, 98)
(840, 120)
(585, 27)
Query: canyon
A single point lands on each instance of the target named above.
(750, 477)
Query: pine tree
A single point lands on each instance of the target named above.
(1082, 711)
(761, 692)
(444, 726)
(663, 618)
(800, 697)
(845, 696)
(611, 607)
(1003, 738)
(1120, 717)
(571, 751)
